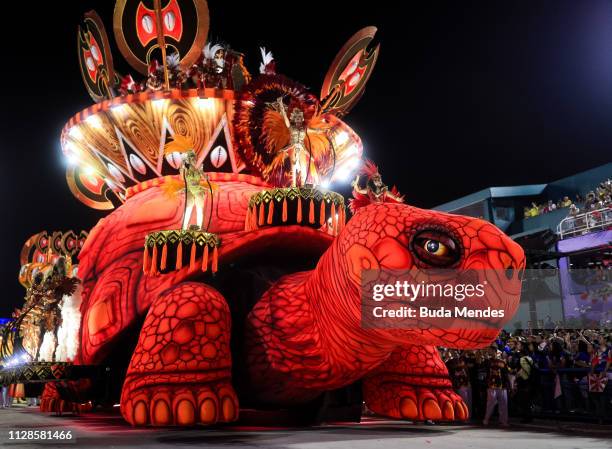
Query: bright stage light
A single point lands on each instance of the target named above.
(75, 132)
(159, 103)
(343, 174)
(352, 150)
(71, 154)
(94, 121)
(89, 170)
(118, 108)
(325, 184)
(341, 138)
(352, 163)
(206, 103)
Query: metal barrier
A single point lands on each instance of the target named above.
(574, 403)
(595, 220)
(575, 400)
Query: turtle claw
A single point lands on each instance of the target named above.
(417, 403)
(178, 405)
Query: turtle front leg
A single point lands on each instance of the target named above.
(413, 384)
(180, 373)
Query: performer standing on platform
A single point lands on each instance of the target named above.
(296, 148)
(195, 182)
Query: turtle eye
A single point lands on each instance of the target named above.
(435, 248)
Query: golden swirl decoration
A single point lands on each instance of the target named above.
(120, 142)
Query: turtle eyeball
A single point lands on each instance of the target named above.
(435, 248)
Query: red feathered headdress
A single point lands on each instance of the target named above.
(369, 169)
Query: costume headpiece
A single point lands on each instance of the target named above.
(369, 169)
(179, 144)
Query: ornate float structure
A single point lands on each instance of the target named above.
(255, 304)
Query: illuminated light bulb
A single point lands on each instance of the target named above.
(118, 108)
(94, 121)
(341, 138)
(353, 149)
(69, 147)
(352, 163)
(329, 221)
(71, 153)
(159, 103)
(343, 174)
(205, 103)
(75, 132)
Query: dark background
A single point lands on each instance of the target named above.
(465, 95)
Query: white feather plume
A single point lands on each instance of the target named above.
(173, 60)
(266, 58)
(68, 332)
(211, 50)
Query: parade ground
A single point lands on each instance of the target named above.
(109, 430)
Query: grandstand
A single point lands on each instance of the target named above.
(565, 228)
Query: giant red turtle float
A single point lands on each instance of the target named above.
(300, 292)
(278, 323)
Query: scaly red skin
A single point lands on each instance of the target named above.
(180, 372)
(304, 336)
(115, 290)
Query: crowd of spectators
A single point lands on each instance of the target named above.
(596, 199)
(541, 372)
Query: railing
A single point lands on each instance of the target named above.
(575, 400)
(580, 224)
(572, 401)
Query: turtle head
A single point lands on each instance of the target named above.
(400, 238)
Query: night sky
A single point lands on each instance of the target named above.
(465, 95)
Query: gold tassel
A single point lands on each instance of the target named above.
(270, 211)
(311, 212)
(205, 258)
(162, 264)
(213, 267)
(247, 220)
(322, 213)
(192, 256)
(284, 209)
(299, 210)
(251, 219)
(261, 214)
(154, 260)
(334, 218)
(179, 255)
(145, 260)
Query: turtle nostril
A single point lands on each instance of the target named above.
(508, 264)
